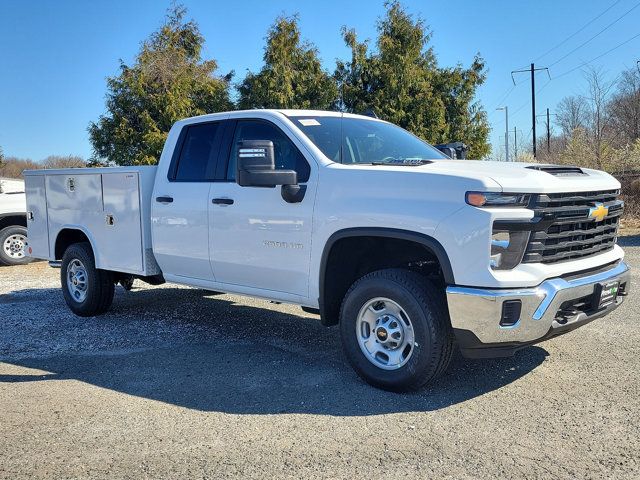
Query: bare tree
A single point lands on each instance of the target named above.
(58, 161)
(12, 167)
(625, 106)
(597, 98)
(571, 114)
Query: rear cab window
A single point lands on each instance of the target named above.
(197, 152)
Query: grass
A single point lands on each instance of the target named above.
(629, 227)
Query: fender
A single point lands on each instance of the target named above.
(80, 229)
(19, 218)
(433, 245)
(13, 214)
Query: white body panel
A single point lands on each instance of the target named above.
(180, 233)
(11, 185)
(265, 247)
(12, 198)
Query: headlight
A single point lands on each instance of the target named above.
(494, 199)
(507, 248)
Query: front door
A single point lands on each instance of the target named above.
(258, 239)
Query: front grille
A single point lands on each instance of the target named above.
(567, 231)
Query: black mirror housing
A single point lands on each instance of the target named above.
(256, 166)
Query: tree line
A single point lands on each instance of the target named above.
(398, 78)
(599, 127)
(12, 167)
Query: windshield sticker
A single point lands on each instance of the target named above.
(309, 122)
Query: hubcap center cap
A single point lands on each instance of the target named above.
(389, 333)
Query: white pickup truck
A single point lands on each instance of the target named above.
(13, 222)
(353, 218)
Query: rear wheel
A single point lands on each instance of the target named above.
(395, 330)
(87, 290)
(13, 246)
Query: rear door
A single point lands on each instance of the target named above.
(257, 239)
(181, 201)
(120, 242)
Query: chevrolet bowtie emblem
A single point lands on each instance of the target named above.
(598, 212)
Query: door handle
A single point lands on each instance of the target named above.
(164, 199)
(222, 201)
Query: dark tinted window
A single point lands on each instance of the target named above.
(287, 155)
(198, 150)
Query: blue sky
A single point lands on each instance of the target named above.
(55, 55)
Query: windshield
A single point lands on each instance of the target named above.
(356, 140)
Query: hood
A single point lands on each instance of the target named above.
(527, 177)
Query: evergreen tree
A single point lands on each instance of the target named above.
(402, 83)
(292, 75)
(168, 81)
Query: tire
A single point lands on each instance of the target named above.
(401, 305)
(13, 245)
(92, 293)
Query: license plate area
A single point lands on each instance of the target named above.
(606, 293)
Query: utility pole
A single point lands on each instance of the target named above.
(533, 71)
(548, 129)
(515, 145)
(506, 131)
(548, 134)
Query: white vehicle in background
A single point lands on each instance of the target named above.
(13, 222)
(353, 218)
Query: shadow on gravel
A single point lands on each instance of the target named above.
(630, 241)
(247, 360)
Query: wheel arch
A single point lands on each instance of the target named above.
(18, 219)
(329, 307)
(68, 235)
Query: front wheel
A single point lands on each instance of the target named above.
(87, 290)
(395, 330)
(13, 246)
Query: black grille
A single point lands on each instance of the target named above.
(567, 230)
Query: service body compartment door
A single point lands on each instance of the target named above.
(80, 193)
(120, 241)
(37, 222)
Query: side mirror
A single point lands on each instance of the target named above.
(256, 166)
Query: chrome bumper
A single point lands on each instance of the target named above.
(475, 313)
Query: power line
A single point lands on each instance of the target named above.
(577, 32)
(504, 96)
(597, 58)
(597, 34)
(527, 102)
(532, 72)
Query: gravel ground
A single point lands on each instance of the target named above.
(177, 382)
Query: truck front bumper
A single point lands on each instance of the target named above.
(487, 327)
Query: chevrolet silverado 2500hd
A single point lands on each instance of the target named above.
(13, 222)
(409, 252)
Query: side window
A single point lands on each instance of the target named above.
(199, 150)
(288, 157)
